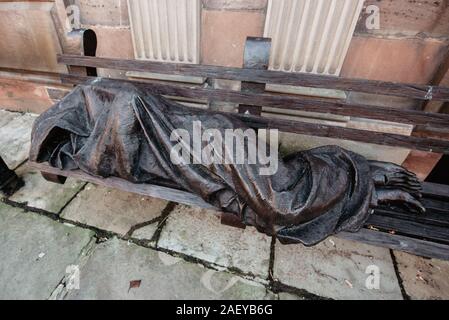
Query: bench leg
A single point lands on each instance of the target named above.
(231, 220)
(53, 178)
(9, 181)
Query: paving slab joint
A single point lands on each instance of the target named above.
(72, 198)
(162, 221)
(404, 293)
(62, 290)
(278, 287)
(272, 257)
(101, 236)
(209, 265)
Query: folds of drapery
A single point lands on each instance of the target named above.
(109, 128)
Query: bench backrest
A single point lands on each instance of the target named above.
(431, 129)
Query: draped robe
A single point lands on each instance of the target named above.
(108, 128)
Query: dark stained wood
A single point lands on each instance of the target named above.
(413, 246)
(160, 192)
(430, 217)
(414, 91)
(436, 190)
(436, 205)
(280, 101)
(229, 219)
(53, 178)
(429, 131)
(312, 129)
(410, 228)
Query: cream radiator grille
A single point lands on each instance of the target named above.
(166, 30)
(311, 35)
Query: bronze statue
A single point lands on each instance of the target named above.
(109, 128)
(9, 181)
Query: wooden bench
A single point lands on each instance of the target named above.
(426, 235)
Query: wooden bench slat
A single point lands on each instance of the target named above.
(436, 190)
(154, 191)
(414, 91)
(410, 228)
(291, 103)
(431, 217)
(328, 131)
(436, 205)
(401, 243)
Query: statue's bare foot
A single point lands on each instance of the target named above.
(390, 196)
(389, 175)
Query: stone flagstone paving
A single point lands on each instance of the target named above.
(35, 252)
(115, 264)
(337, 269)
(15, 138)
(124, 246)
(199, 233)
(112, 210)
(41, 194)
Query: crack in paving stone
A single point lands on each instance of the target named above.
(404, 293)
(104, 235)
(211, 266)
(101, 234)
(142, 225)
(83, 187)
(62, 290)
(164, 216)
(278, 287)
(53, 203)
(272, 257)
(15, 111)
(160, 220)
(206, 264)
(21, 164)
(325, 275)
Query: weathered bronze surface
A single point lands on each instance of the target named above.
(109, 128)
(9, 181)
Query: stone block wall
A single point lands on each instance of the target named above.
(410, 46)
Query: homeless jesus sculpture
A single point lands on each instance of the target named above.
(110, 128)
